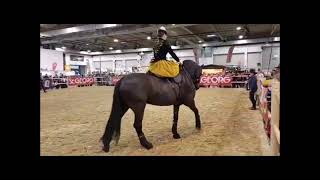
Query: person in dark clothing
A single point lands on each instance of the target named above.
(252, 83)
(162, 47)
(41, 84)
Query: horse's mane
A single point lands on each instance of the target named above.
(190, 66)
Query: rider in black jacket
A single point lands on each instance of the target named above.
(163, 47)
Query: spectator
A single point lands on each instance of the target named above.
(41, 84)
(252, 83)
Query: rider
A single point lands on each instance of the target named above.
(160, 66)
(162, 46)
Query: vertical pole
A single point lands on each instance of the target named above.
(100, 64)
(275, 117)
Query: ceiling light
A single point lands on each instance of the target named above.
(115, 40)
(276, 38)
(244, 41)
(173, 24)
(148, 37)
(241, 36)
(141, 53)
(118, 51)
(109, 25)
(200, 41)
(238, 28)
(59, 49)
(96, 53)
(110, 48)
(83, 52)
(63, 47)
(211, 35)
(88, 51)
(87, 44)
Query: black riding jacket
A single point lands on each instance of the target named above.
(161, 49)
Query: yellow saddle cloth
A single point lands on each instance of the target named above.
(164, 68)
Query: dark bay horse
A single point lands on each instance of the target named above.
(136, 90)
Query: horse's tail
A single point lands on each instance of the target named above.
(112, 131)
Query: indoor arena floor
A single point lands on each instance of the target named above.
(73, 120)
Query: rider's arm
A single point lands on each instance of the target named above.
(175, 57)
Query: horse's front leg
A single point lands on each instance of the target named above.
(175, 121)
(191, 104)
(138, 110)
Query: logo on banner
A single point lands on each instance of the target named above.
(80, 81)
(54, 66)
(215, 80)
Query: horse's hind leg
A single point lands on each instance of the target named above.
(175, 121)
(138, 110)
(192, 106)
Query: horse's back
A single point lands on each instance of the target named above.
(147, 88)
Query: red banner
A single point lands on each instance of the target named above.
(230, 54)
(80, 81)
(54, 66)
(215, 80)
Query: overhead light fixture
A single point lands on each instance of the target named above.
(63, 47)
(109, 25)
(96, 53)
(241, 36)
(59, 49)
(173, 24)
(238, 28)
(211, 35)
(244, 41)
(118, 51)
(200, 41)
(204, 45)
(87, 44)
(141, 53)
(276, 55)
(83, 52)
(276, 38)
(110, 48)
(115, 40)
(148, 37)
(88, 51)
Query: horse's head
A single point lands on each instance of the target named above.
(194, 70)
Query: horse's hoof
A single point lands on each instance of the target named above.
(176, 136)
(148, 145)
(106, 148)
(198, 127)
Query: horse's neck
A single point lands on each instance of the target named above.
(187, 78)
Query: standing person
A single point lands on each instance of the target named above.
(252, 83)
(41, 84)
